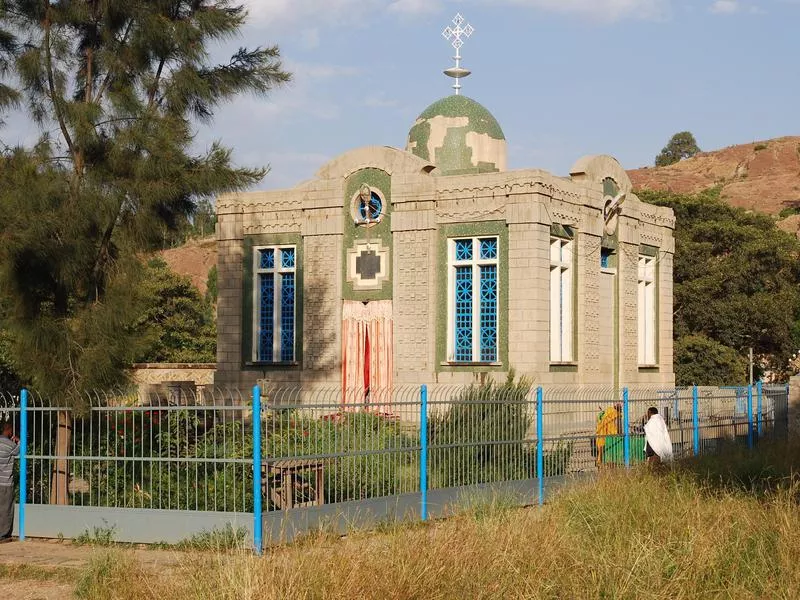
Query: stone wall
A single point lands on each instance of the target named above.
(423, 206)
(174, 382)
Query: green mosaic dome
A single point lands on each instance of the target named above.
(459, 136)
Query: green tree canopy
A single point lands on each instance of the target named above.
(699, 360)
(736, 279)
(119, 87)
(177, 323)
(681, 145)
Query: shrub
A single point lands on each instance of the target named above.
(483, 436)
(365, 455)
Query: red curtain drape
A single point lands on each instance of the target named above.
(367, 354)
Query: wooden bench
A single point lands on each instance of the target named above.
(294, 483)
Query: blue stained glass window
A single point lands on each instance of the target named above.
(267, 259)
(489, 313)
(374, 210)
(265, 323)
(287, 258)
(287, 316)
(489, 249)
(605, 258)
(463, 350)
(463, 249)
(275, 281)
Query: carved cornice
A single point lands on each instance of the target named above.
(510, 188)
(272, 227)
(653, 238)
(476, 214)
(565, 217)
(272, 205)
(656, 218)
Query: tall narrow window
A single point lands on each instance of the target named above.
(275, 290)
(473, 265)
(562, 313)
(647, 310)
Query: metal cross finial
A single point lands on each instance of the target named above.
(456, 37)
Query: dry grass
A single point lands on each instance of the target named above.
(35, 573)
(686, 534)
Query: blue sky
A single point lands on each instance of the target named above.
(564, 77)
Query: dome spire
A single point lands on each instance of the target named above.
(456, 37)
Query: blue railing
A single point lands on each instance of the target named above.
(301, 447)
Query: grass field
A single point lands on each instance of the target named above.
(712, 528)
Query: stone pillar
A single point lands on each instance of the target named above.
(794, 407)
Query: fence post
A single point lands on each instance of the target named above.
(696, 420)
(540, 442)
(423, 452)
(23, 460)
(258, 539)
(750, 416)
(626, 431)
(759, 408)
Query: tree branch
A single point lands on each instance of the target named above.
(51, 84)
(107, 81)
(154, 89)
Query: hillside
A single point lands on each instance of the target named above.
(194, 259)
(762, 176)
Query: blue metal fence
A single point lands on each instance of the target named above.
(279, 449)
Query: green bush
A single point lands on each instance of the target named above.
(482, 437)
(201, 462)
(368, 455)
(556, 462)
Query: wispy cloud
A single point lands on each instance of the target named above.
(301, 97)
(415, 7)
(336, 12)
(725, 7)
(272, 12)
(730, 7)
(379, 100)
(602, 10)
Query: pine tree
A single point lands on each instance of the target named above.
(117, 87)
(121, 83)
(8, 45)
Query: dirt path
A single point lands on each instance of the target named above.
(41, 570)
(56, 555)
(32, 589)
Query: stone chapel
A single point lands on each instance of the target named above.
(436, 264)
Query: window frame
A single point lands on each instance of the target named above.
(279, 271)
(476, 262)
(647, 310)
(564, 349)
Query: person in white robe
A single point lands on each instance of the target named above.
(659, 446)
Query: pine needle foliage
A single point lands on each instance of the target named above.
(117, 88)
(8, 46)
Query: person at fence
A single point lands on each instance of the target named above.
(658, 447)
(9, 448)
(608, 441)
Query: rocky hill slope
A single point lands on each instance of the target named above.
(762, 176)
(194, 259)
